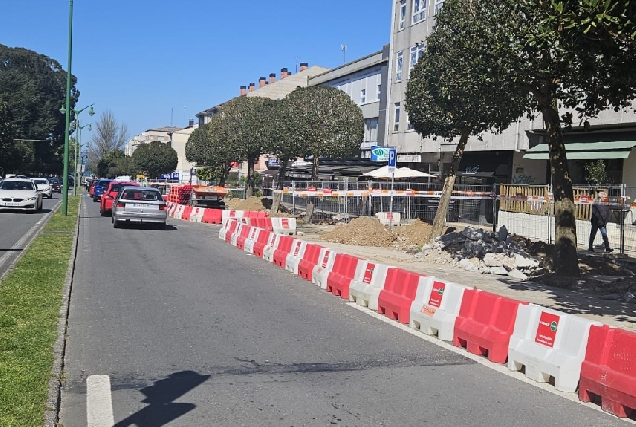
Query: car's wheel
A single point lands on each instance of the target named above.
(115, 223)
(102, 212)
(51, 196)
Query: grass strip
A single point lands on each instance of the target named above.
(30, 301)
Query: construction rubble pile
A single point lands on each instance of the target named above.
(484, 252)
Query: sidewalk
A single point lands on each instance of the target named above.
(613, 313)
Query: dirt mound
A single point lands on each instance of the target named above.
(363, 231)
(249, 204)
(415, 234)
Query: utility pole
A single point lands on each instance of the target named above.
(343, 48)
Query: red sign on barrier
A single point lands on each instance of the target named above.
(437, 293)
(325, 259)
(368, 273)
(284, 222)
(547, 329)
(297, 249)
(253, 233)
(327, 190)
(429, 311)
(311, 188)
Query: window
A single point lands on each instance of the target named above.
(371, 130)
(402, 13)
(396, 124)
(438, 6)
(416, 53)
(379, 94)
(419, 11)
(363, 96)
(398, 67)
(160, 138)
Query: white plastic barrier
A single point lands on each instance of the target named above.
(268, 251)
(549, 343)
(231, 214)
(286, 226)
(321, 270)
(225, 227)
(366, 286)
(237, 233)
(172, 207)
(295, 255)
(179, 211)
(385, 218)
(197, 214)
(251, 239)
(436, 306)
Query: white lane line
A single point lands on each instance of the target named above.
(99, 403)
(502, 369)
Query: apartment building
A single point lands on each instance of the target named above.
(364, 80)
(161, 134)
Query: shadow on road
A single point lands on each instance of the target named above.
(160, 398)
(11, 250)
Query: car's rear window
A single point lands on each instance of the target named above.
(41, 181)
(148, 195)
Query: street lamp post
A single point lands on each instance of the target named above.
(68, 111)
(78, 147)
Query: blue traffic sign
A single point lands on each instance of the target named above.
(392, 157)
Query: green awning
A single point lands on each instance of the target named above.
(586, 150)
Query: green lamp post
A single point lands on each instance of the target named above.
(67, 111)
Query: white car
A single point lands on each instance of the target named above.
(44, 186)
(20, 193)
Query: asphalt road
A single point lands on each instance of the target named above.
(194, 332)
(16, 227)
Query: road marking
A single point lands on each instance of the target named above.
(99, 403)
(502, 369)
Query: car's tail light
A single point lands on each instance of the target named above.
(121, 205)
(162, 207)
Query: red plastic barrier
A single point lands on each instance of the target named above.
(398, 293)
(230, 231)
(261, 214)
(245, 233)
(186, 213)
(261, 242)
(340, 277)
(284, 246)
(310, 259)
(485, 323)
(212, 216)
(609, 370)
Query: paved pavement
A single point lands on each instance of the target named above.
(17, 227)
(176, 328)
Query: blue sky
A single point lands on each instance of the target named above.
(142, 59)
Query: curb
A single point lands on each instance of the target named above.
(51, 413)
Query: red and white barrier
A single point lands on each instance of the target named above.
(321, 271)
(225, 228)
(229, 214)
(435, 308)
(252, 239)
(342, 274)
(286, 226)
(310, 259)
(549, 343)
(365, 288)
(179, 211)
(270, 248)
(197, 214)
(240, 228)
(387, 218)
(295, 255)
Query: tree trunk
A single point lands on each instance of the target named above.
(249, 183)
(279, 185)
(314, 168)
(565, 259)
(447, 191)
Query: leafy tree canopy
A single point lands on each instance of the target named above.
(155, 159)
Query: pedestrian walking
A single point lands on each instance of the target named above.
(600, 217)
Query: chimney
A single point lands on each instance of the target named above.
(272, 78)
(190, 123)
(252, 86)
(283, 73)
(243, 90)
(303, 66)
(261, 82)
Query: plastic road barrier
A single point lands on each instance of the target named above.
(294, 256)
(246, 231)
(226, 232)
(284, 247)
(386, 218)
(212, 216)
(240, 229)
(285, 226)
(485, 323)
(227, 215)
(172, 207)
(251, 239)
(365, 288)
(185, 215)
(197, 214)
(270, 248)
(321, 271)
(399, 291)
(178, 211)
(264, 236)
(309, 261)
(609, 370)
(549, 343)
(435, 308)
(340, 278)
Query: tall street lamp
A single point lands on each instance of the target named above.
(68, 111)
(76, 128)
(78, 147)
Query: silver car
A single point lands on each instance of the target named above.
(44, 186)
(140, 205)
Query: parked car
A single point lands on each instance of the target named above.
(99, 189)
(106, 203)
(56, 185)
(91, 187)
(140, 205)
(21, 194)
(43, 185)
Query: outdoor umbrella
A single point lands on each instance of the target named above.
(400, 173)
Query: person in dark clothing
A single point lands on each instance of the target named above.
(600, 217)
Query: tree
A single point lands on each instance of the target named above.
(282, 142)
(459, 88)
(574, 56)
(109, 136)
(33, 86)
(206, 146)
(7, 129)
(325, 122)
(155, 159)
